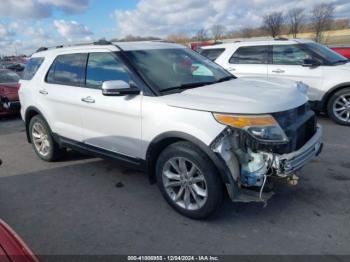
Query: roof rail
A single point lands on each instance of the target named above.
(41, 49)
(102, 42)
(281, 39)
(99, 42)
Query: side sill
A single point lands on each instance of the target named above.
(135, 163)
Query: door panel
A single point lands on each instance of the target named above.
(287, 63)
(62, 107)
(310, 76)
(60, 95)
(248, 61)
(110, 122)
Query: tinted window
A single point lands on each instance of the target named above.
(212, 54)
(250, 55)
(32, 67)
(175, 68)
(68, 70)
(8, 77)
(323, 51)
(104, 67)
(289, 55)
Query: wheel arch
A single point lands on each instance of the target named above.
(164, 140)
(330, 93)
(29, 114)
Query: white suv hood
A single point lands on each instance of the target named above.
(241, 96)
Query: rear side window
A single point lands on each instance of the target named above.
(32, 67)
(250, 55)
(289, 55)
(212, 54)
(68, 70)
(104, 67)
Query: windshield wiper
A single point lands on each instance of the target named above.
(340, 61)
(187, 86)
(226, 78)
(194, 85)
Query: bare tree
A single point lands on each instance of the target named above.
(321, 19)
(218, 31)
(273, 23)
(201, 35)
(247, 32)
(296, 18)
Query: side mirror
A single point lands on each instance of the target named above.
(118, 88)
(311, 63)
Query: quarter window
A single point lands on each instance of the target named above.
(68, 70)
(212, 54)
(250, 55)
(32, 67)
(104, 67)
(289, 55)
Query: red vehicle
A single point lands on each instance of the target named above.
(195, 46)
(344, 51)
(9, 100)
(12, 247)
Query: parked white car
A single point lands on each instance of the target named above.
(192, 126)
(325, 71)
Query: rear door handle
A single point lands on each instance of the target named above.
(278, 71)
(43, 92)
(88, 100)
(231, 69)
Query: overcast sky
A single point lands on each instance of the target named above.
(26, 25)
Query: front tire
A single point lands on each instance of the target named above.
(189, 181)
(43, 143)
(338, 107)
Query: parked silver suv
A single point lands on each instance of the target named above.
(194, 128)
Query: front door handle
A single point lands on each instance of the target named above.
(231, 69)
(278, 71)
(88, 100)
(43, 92)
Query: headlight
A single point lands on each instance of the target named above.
(262, 127)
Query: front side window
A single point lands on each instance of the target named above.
(250, 55)
(68, 70)
(32, 67)
(212, 53)
(289, 55)
(176, 68)
(104, 67)
(330, 56)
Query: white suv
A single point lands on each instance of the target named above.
(325, 71)
(188, 123)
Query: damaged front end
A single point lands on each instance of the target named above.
(256, 155)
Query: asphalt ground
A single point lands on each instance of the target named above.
(89, 206)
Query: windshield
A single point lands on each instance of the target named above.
(8, 77)
(326, 53)
(176, 69)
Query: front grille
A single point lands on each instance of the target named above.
(299, 124)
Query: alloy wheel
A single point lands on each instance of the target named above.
(341, 108)
(41, 139)
(184, 183)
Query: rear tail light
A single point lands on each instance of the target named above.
(18, 86)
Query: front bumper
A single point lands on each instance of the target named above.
(288, 164)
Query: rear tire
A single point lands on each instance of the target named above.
(42, 140)
(189, 181)
(338, 107)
